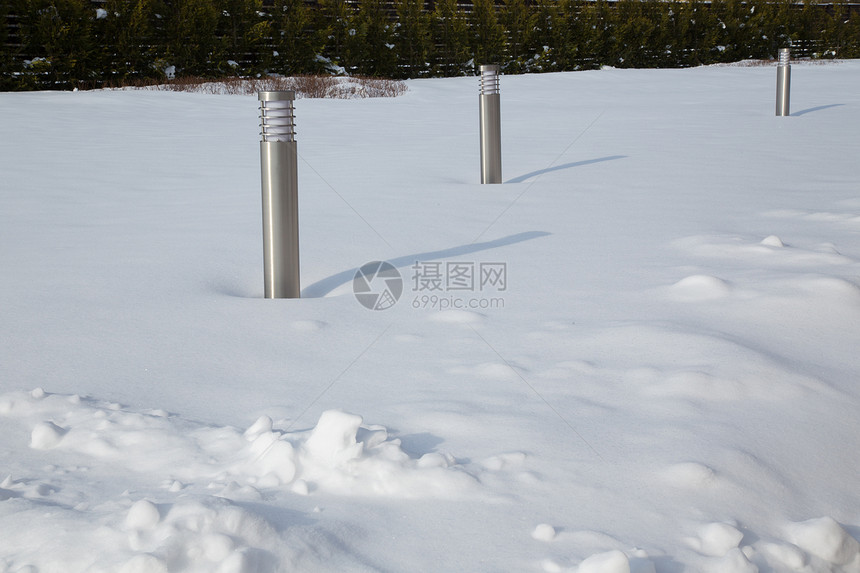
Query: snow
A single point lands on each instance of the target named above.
(544, 532)
(666, 379)
(717, 539)
(826, 539)
(610, 562)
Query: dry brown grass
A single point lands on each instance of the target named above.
(764, 63)
(305, 86)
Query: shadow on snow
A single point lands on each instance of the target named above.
(324, 286)
(522, 178)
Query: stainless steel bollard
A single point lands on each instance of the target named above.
(783, 82)
(280, 195)
(491, 129)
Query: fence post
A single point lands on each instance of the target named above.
(278, 164)
(783, 82)
(491, 130)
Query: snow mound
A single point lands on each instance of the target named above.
(191, 493)
(544, 532)
(211, 533)
(826, 539)
(690, 475)
(339, 455)
(735, 561)
(46, 435)
(610, 562)
(700, 288)
(773, 241)
(190, 534)
(705, 386)
(142, 515)
(717, 539)
(771, 252)
(836, 289)
(816, 546)
(787, 556)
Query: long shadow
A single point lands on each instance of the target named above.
(324, 286)
(522, 178)
(819, 108)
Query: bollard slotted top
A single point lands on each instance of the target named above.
(277, 116)
(490, 79)
(285, 95)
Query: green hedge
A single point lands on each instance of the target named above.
(59, 44)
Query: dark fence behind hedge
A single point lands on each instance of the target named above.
(59, 44)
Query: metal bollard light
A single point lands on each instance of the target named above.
(491, 130)
(783, 82)
(280, 194)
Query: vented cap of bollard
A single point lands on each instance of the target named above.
(489, 79)
(277, 116)
(285, 95)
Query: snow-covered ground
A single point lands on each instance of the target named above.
(640, 353)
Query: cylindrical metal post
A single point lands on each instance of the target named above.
(280, 195)
(783, 82)
(491, 129)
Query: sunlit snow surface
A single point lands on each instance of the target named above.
(665, 380)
